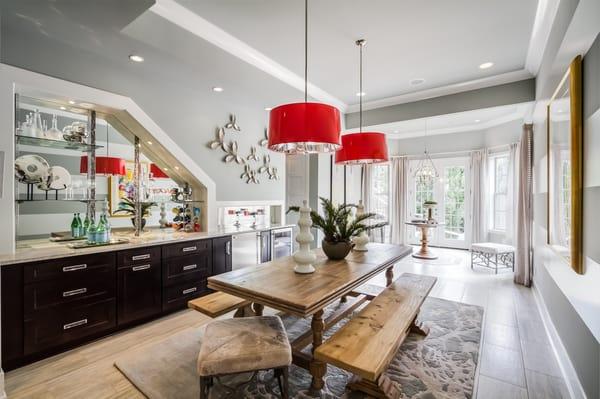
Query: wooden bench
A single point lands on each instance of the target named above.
(368, 342)
(219, 303)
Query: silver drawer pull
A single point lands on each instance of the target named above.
(138, 268)
(188, 249)
(190, 267)
(74, 292)
(74, 267)
(140, 257)
(75, 324)
(189, 290)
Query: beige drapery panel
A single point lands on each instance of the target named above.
(398, 198)
(523, 230)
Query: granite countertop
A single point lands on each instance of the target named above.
(43, 249)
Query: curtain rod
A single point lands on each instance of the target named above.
(465, 152)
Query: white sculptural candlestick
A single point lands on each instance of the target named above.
(360, 241)
(304, 257)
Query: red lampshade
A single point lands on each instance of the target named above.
(360, 148)
(157, 172)
(304, 128)
(104, 165)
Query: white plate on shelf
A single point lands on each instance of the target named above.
(60, 178)
(31, 169)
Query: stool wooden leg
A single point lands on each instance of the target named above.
(205, 383)
(282, 379)
(258, 308)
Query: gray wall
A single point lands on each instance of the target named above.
(572, 300)
(178, 100)
(506, 94)
(505, 133)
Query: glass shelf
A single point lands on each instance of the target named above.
(61, 144)
(59, 200)
(186, 201)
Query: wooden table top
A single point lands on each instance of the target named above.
(275, 284)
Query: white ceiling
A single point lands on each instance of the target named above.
(440, 41)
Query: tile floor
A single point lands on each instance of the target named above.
(516, 359)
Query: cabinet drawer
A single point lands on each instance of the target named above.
(53, 328)
(138, 256)
(95, 285)
(178, 270)
(186, 248)
(68, 268)
(177, 296)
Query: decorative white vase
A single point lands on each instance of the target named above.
(163, 216)
(304, 257)
(360, 241)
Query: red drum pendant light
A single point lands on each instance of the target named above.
(104, 165)
(157, 173)
(307, 127)
(362, 147)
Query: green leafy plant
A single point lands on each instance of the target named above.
(338, 224)
(127, 207)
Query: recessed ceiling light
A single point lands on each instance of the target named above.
(149, 142)
(217, 89)
(268, 108)
(396, 132)
(63, 108)
(416, 82)
(361, 94)
(71, 102)
(486, 65)
(136, 58)
(86, 105)
(477, 120)
(177, 167)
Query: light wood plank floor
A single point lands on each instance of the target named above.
(516, 358)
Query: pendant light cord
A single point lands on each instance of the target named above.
(305, 51)
(360, 91)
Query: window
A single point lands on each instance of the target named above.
(454, 202)
(423, 192)
(380, 191)
(499, 187)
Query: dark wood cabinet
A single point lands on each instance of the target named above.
(221, 249)
(139, 292)
(265, 246)
(54, 305)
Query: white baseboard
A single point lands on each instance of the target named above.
(2, 392)
(566, 367)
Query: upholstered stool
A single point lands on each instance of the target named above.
(491, 255)
(242, 345)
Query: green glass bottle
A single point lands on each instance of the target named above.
(91, 233)
(107, 226)
(75, 231)
(86, 224)
(101, 233)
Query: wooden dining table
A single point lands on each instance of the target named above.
(276, 285)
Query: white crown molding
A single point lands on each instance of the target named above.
(489, 81)
(542, 25)
(193, 23)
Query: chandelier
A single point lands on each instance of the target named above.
(426, 172)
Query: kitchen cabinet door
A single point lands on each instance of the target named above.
(222, 260)
(139, 292)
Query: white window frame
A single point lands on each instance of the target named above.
(493, 159)
(372, 194)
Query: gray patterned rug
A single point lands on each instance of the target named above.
(439, 366)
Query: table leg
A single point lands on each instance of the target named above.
(317, 369)
(258, 308)
(424, 252)
(389, 276)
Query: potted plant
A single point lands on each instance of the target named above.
(127, 207)
(338, 226)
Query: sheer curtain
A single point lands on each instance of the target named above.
(479, 196)
(398, 198)
(365, 186)
(523, 263)
(513, 186)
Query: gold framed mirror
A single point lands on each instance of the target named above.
(564, 125)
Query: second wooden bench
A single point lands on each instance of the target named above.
(367, 343)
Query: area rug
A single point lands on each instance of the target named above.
(439, 366)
